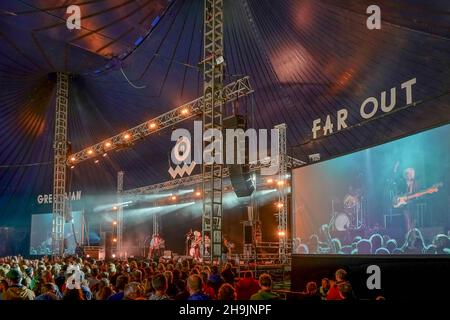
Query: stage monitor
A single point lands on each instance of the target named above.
(389, 199)
(41, 233)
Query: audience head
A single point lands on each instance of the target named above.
(159, 282)
(194, 283)
(227, 292)
(133, 291)
(364, 246)
(265, 281)
(376, 241)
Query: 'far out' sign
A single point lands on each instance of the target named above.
(48, 198)
(368, 109)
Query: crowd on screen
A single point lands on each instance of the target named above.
(376, 243)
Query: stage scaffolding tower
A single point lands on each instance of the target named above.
(59, 163)
(282, 198)
(119, 206)
(212, 172)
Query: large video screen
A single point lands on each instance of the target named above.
(41, 233)
(389, 199)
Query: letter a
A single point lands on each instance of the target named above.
(74, 20)
(373, 21)
(374, 281)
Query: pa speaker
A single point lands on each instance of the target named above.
(239, 173)
(248, 234)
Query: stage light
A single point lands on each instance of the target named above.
(173, 198)
(114, 240)
(184, 111)
(90, 152)
(96, 161)
(198, 193)
(114, 255)
(114, 222)
(105, 154)
(281, 233)
(73, 159)
(126, 136)
(88, 256)
(108, 144)
(280, 205)
(72, 167)
(269, 181)
(280, 183)
(152, 125)
(114, 208)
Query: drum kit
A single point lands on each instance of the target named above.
(351, 217)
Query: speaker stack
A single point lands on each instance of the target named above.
(239, 173)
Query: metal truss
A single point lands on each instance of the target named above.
(230, 92)
(213, 103)
(197, 179)
(282, 198)
(59, 164)
(119, 239)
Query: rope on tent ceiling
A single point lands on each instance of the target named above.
(130, 83)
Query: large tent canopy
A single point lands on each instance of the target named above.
(133, 60)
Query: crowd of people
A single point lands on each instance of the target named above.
(74, 278)
(44, 279)
(376, 243)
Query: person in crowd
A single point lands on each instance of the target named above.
(391, 244)
(364, 246)
(227, 292)
(228, 274)
(195, 286)
(312, 292)
(441, 242)
(341, 289)
(119, 288)
(382, 251)
(159, 284)
(16, 290)
(171, 287)
(28, 277)
(73, 294)
(215, 280)
(376, 241)
(323, 290)
(265, 292)
(207, 288)
(50, 292)
(182, 292)
(247, 286)
(3, 288)
(104, 293)
(133, 291)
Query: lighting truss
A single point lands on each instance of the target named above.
(230, 92)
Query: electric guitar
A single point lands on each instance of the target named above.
(403, 200)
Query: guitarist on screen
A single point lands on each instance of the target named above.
(407, 192)
(408, 187)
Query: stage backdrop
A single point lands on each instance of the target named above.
(360, 194)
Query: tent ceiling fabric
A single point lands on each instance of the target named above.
(306, 60)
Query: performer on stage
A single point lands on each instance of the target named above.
(195, 245)
(226, 250)
(407, 186)
(189, 238)
(207, 244)
(156, 246)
